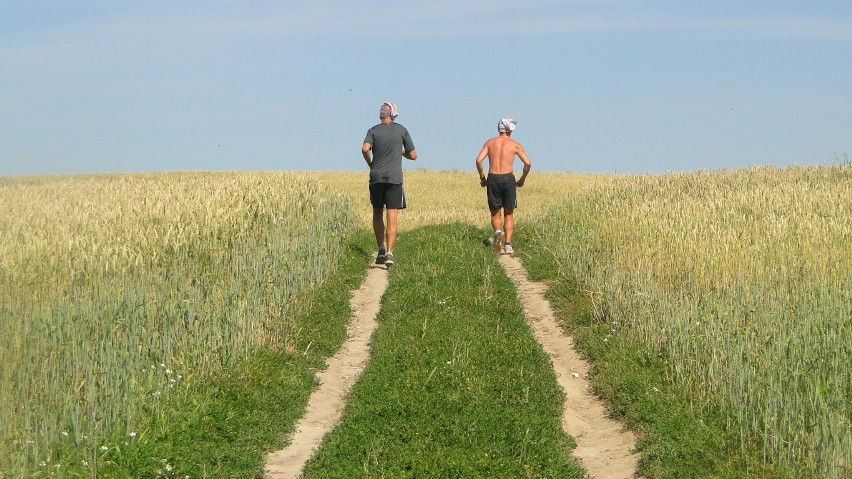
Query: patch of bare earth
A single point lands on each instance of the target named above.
(604, 446)
(325, 405)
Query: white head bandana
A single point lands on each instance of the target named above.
(506, 125)
(388, 110)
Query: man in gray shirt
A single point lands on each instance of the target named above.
(383, 149)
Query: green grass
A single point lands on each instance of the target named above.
(225, 425)
(456, 385)
(677, 440)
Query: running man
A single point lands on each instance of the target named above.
(501, 185)
(383, 149)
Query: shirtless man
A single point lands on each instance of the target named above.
(501, 151)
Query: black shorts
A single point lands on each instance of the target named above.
(388, 195)
(502, 191)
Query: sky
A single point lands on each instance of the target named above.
(623, 86)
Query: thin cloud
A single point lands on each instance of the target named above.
(440, 19)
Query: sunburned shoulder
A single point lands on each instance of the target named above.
(505, 140)
(501, 139)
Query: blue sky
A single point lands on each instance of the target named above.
(622, 86)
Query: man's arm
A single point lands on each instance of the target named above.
(527, 165)
(365, 152)
(408, 150)
(479, 159)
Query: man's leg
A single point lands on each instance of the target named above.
(496, 220)
(379, 227)
(392, 227)
(509, 223)
(498, 236)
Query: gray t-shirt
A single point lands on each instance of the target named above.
(388, 141)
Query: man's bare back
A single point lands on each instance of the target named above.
(501, 151)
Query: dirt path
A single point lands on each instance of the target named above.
(325, 406)
(604, 446)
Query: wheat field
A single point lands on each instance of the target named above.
(453, 196)
(743, 279)
(118, 289)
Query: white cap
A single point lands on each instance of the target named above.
(388, 110)
(506, 125)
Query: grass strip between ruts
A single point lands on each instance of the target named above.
(456, 385)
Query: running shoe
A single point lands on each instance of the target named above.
(497, 241)
(507, 249)
(381, 257)
(389, 259)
